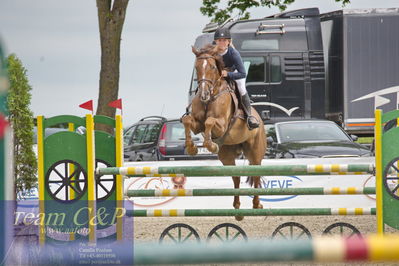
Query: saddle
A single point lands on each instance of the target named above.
(238, 110)
(236, 99)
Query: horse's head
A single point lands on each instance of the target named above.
(209, 67)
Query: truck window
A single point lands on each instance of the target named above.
(255, 67)
(259, 44)
(275, 69)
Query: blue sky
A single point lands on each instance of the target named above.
(58, 43)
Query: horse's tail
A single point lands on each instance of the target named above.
(250, 181)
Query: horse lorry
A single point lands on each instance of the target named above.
(302, 64)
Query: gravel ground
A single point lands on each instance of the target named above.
(150, 228)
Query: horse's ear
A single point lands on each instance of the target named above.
(195, 51)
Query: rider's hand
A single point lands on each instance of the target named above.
(224, 73)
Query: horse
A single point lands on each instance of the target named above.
(215, 114)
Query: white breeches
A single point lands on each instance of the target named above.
(241, 86)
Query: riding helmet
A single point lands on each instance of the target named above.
(222, 33)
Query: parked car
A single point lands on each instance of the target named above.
(312, 138)
(157, 138)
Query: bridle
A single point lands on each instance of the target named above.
(211, 82)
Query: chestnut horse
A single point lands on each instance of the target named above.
(214, 112)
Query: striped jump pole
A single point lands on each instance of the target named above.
(248, 170)
(250, 192)
(320, 249)
(249, 212)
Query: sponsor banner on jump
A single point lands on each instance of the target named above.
(269, 182)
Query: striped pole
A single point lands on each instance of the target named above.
(378, 174)
(248, 170)
(40, 173)
(71, 169)
(250, 192)
(250, 212)
(320, 249)
(119, 178)
(91, 192)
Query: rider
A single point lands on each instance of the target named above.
(232, 61)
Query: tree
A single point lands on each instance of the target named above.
(111, 16)
(21, 119)
(214, 10)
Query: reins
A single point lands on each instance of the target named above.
(213, 84)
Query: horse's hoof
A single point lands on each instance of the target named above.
(192, 150)
(239, 218)
(259, 206)
(216, 149)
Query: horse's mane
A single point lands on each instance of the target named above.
(211, 50)
(208, 49)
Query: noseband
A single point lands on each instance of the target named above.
(211, 87)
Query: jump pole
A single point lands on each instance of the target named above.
(320, 249)
(250, 192)
(249, 170)
(250, 212)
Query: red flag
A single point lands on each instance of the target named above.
(87, 105)
(116, 104)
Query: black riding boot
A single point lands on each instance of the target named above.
(251, 120)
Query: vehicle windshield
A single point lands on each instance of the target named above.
(314, 131)
(175, 132)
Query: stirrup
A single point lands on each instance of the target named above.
(250, 124)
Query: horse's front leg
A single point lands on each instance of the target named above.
(216, 126)
(189, 123)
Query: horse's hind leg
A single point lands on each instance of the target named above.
(227, 155)
(256, 202)
(254, 156)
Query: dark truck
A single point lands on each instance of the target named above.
(302, 64)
